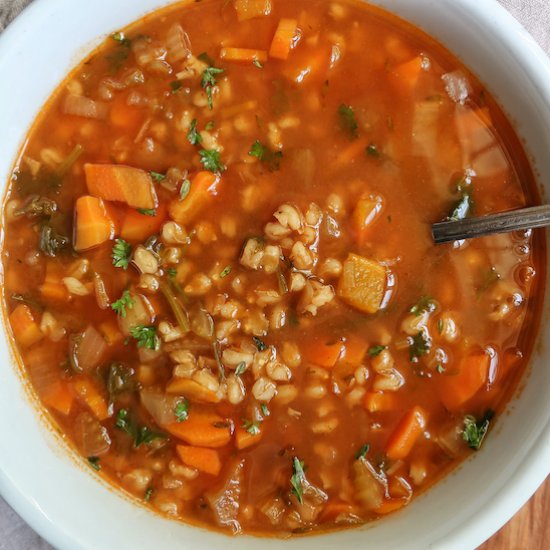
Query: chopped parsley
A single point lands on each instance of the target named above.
(440, 368)
(373, 351)
(474, 431)
(348, 122)
(362, 452)
(94, 462)
(241, 368)
(182, 411)
(425, 303)
(193, 136)
(252, 427)
(120, 379)
(148, 494)
(157, 176)
(271, 159)
(176, 86)
(260, 345)
(256, 62)
(121, 254)
(419, 346)
(184, 189)
(147, 211)
(125, 301)
(171, 272)
(120, 38)
(226, 271)
(119, 54)
(373, 151)
(211, 160)
(209, 125)
(146, 336)
(265, 410)
(297, 479)
(462, 208)
(208, 81)
(141, 435)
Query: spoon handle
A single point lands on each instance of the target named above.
(469, 228)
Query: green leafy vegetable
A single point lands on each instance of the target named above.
(171, 272)
(209, 125)
(373, 351)
(348, 122)
(211, 160)
(226, 271)
(122, 251)
(463, 208)
(193, 135)
(372, 151)
(37, 207)
(271, 159)
(125, 301)
(148, 494)
(182, 411)
(157, 176)
(253, 428)
(184, 189)
(147, 211)
(205, 58)
(94, 463)
(120, 379)
(474, 431)
(362, 452)
(51, 242)
(425, 303)
(141, 435)
(297, 479)
(260, 345)
(208, 81)
(146, 336)
(420, 345)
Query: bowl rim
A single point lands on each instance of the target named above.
(528, 475)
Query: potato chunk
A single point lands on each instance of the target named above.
(362, 283)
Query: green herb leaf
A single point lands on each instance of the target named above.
(125, 301)
(208, 81)
(253, 428)
(209, 125)
(297, 479)
(440, 368)
(474, 431)
(120, 38)
(265, 410)
(182, 411)
(122, 251)
(226, 271)
(271, 159)
(119, 54)
(37, 207)
(146, 336)
(148, 494)
(94, 462)
(51, 242)
(175, 86)
(171, 272)
(241, 368)
(362, 452)
(372, 151)
(425, 303)
(184, 189)
(463, 208)
(373, 351)
(141, 435)
(257, 63)
(157, 176)
(211, 160)
(193, 135)
(120, 379)
(348, 122)
(420, 345)
(147, 211)
(260, 345)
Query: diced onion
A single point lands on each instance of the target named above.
(87, 351)
(457, 86)
(91, 437)
(160, 406)
(79, 105)
(177, 44)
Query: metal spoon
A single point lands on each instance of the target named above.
(470, 228)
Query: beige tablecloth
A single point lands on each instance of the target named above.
(533, 14)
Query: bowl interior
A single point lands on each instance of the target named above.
(59, 497)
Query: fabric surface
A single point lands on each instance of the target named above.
(535, 17)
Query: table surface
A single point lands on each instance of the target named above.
(530, 528)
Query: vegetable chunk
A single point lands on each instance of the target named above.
(362, 283)
(202, 429)
(203, 188)
(93, 226)
(115, 182)
(284, 39)
(25, 328)
(204, 460)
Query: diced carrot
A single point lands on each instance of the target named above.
(192, 390)
(355, 350)
(308, 63)
(362, 283)
(407, 75)
(335, 508)
(146, 375)
(365, 212)
(125, 116)
(87, 391)
(456, 390)
(93, 226)
(110, 331)
(244, 55)
(249, 9)
(204, 460)
(203, 188)
(406, 433)
(322, 353)
(355, 149)
(244, 439)
(202, 429)
(53, 287)
(379, 402)
(137, 226)
(284, 39)
(390, 505)
(25, 329)
(116, 182)
(59, 397)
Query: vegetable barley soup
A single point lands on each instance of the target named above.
(219, 272)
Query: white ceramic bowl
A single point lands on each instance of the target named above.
(71, 508)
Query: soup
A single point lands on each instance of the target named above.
(219, 272)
